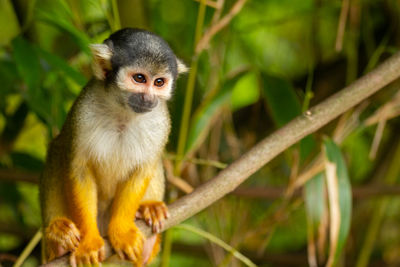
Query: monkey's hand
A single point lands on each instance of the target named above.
(153, 213)
(61, 236)
(90, 251)
(127, 241)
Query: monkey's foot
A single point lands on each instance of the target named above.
(127, 242)
(90, 251)
(154, 214)
(61, 236)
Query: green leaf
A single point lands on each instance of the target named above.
(204, 115)
(44, 96)
(284, 106)
(314, 197)
(9, 79)
(334, 157)
(60, 64)
(307, 144)
(357, 146)
(245, 92)
(66, 26)
(30, 70)
(281, 99)
(26, 161)
(10, 26)
(27, 62)
(9, 74)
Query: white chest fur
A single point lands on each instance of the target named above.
(119, 140)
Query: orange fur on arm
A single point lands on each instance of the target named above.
(128, 197)
(125, 237)
(83, 203)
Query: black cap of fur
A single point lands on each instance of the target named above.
(142, 48)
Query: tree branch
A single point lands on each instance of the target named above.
(14, 175)
(228, 179)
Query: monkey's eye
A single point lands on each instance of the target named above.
(159, 82)
(139, 78)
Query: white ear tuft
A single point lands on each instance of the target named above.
(101, 60)
(181, 66)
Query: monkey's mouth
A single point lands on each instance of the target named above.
(140, 109)
(141, 102)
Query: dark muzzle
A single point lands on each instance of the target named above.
(141, 102)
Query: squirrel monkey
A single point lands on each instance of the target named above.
(104, 168)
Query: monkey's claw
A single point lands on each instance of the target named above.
(154, 214)
(90, 252)
(127, 243)
(61, 236)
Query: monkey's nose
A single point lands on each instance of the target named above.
(142, 102)
(147, 97)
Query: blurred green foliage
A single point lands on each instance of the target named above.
(268, 65)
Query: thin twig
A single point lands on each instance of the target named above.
(210, 3)
(199, 161)
(381, 116)
(388, 111)
(28, 249)
(377, 139)
(7, 257)
(219, 242)
(207, 162)
(222, 23)
(342, 25)
(15, 175)
(176, 181)
(187, 106)
(218, 11)
(115, 16)
(317, 167)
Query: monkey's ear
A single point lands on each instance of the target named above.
(181, 66)
(101, 60)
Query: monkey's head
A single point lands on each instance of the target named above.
(139, 64)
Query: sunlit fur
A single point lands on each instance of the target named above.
(182, 68)
(102, 54)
